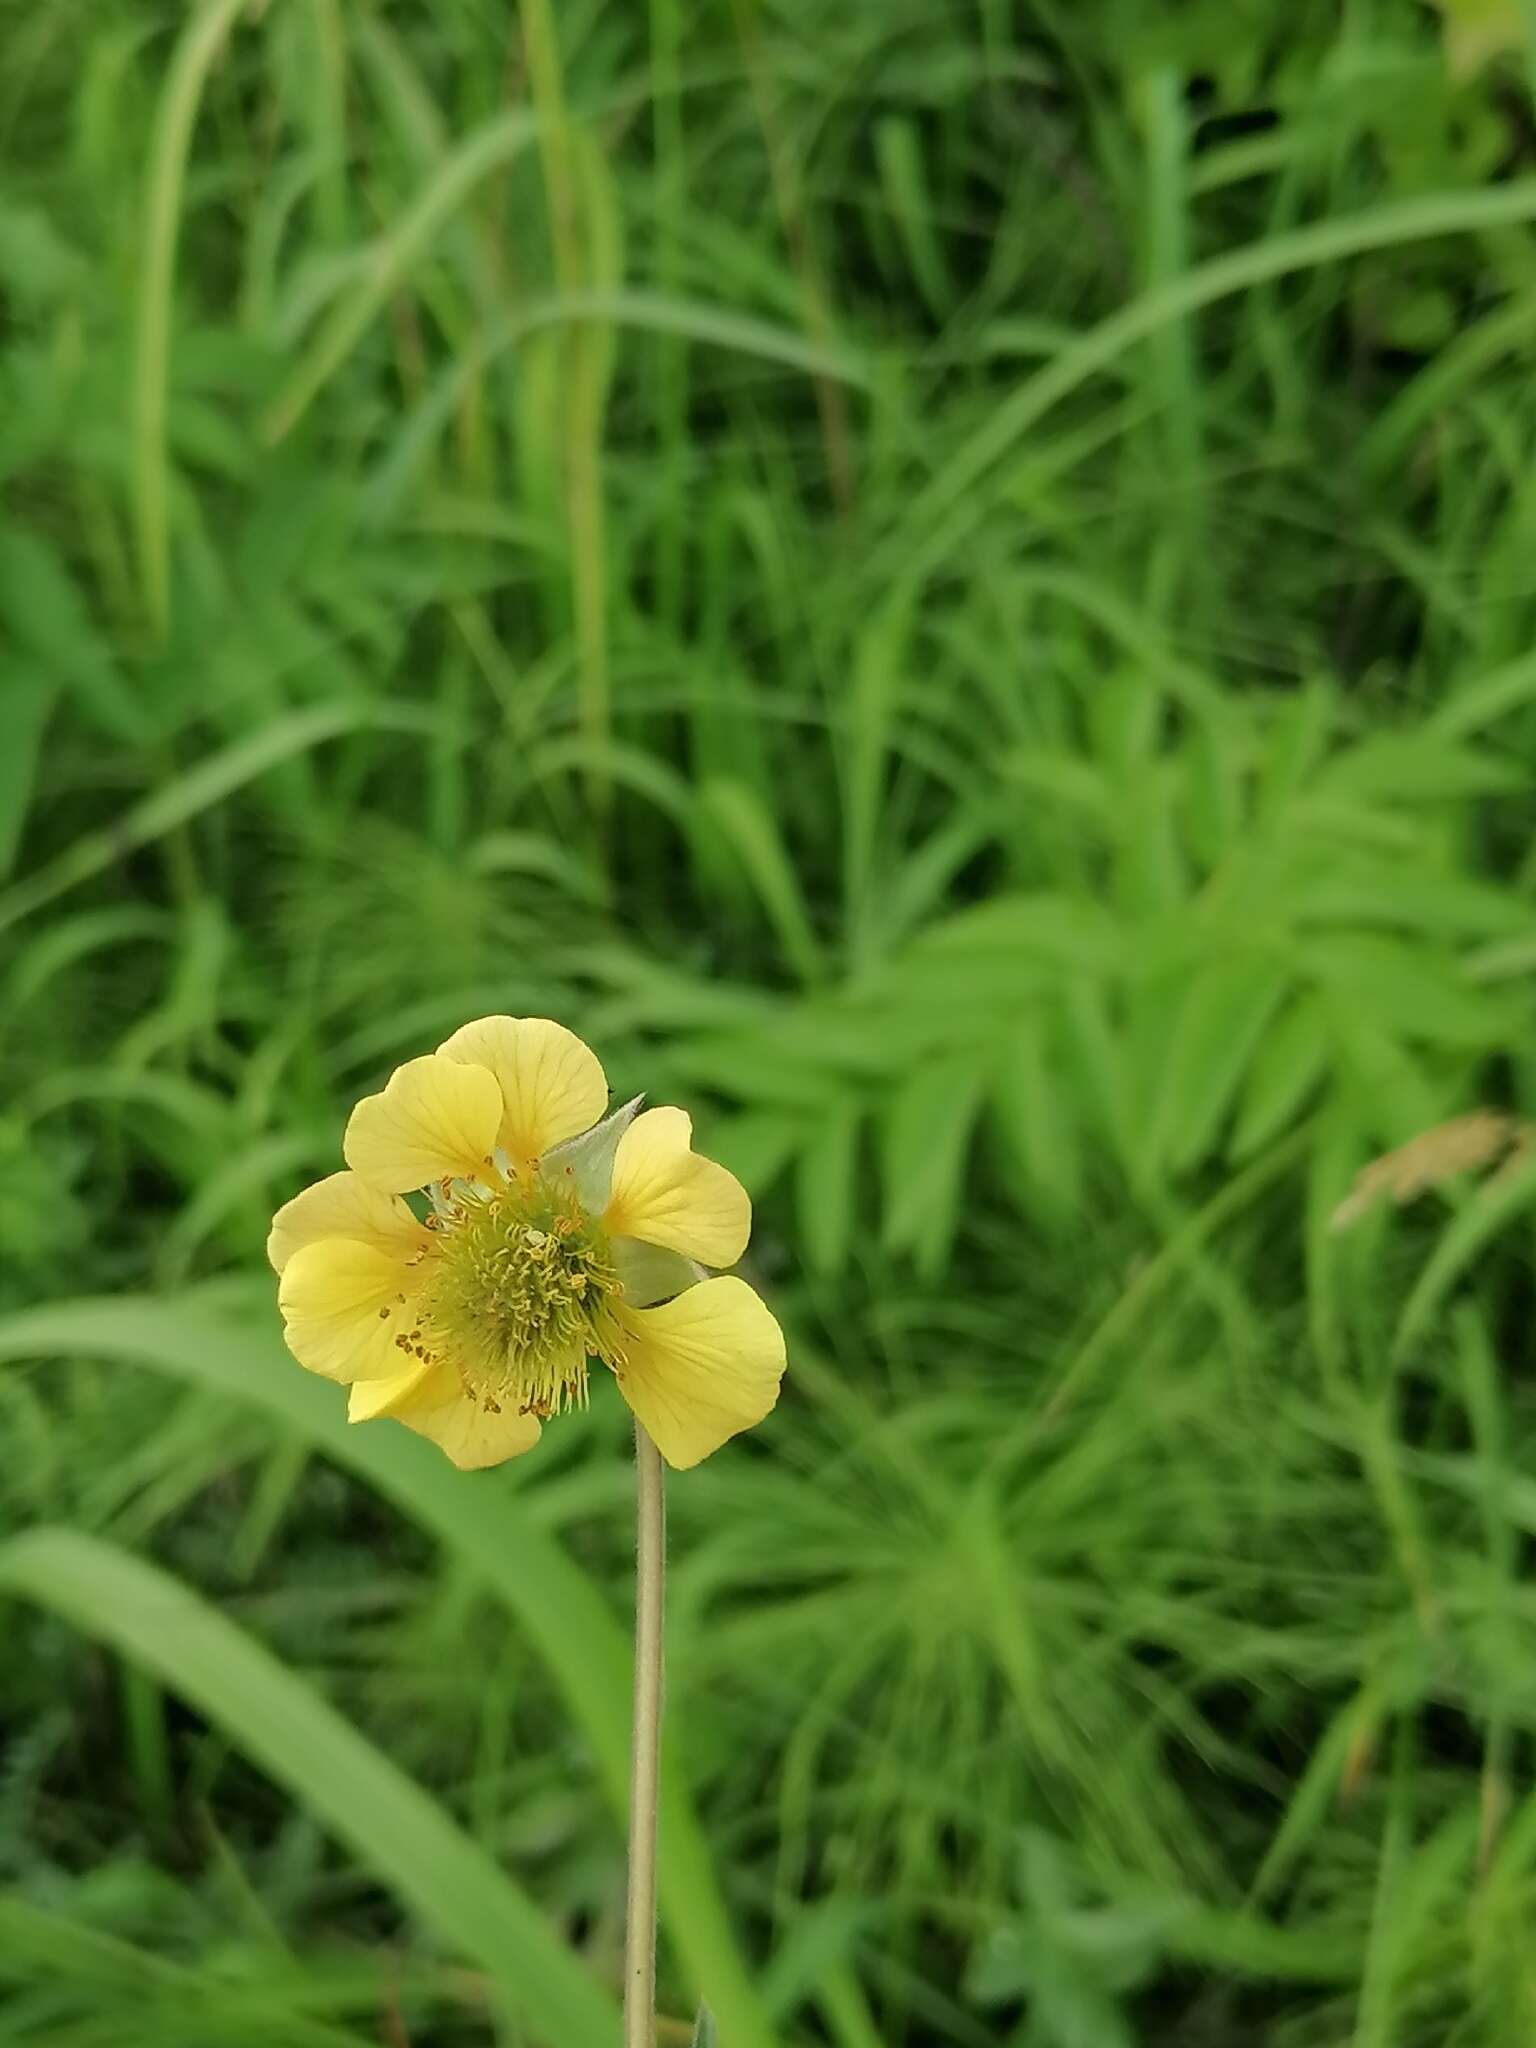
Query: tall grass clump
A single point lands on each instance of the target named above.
(952, 585)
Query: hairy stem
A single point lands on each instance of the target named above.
(645, 1755)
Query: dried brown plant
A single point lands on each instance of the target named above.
(1481, 1138)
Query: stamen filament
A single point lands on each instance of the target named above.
(519, 1295)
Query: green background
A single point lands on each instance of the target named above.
(950, 583)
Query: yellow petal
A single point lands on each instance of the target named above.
(435, 1120)
(698, 1369)
(473, 1435)
(664, 1193)
(552, 1086)
(343, 1206)
(367, 1399)
(344, 1303)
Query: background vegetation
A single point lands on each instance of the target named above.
(951, 585)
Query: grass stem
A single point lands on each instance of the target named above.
(645, 1755)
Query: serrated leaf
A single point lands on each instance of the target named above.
(752, 833)
(1420, 767)
(1061, 778)
(1072, 930)
(824, 1186)
(1097, 1061)
(1405, 989)
(1034, 1111)
(1286, 1066)
(749, 1068)
(1391, 1096)
(756, 1146)
(42, 611)
(927, 1135)
(1219, 1024)
(1364, 892)
(1294, 743)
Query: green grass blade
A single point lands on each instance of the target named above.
(643, 312)
(490, 147)
(928, 530)
(487, 1530)
(284, 1725)
(752, 833)
(1466, 1234)
(171, 2004)
(196, 790)
(177, 113)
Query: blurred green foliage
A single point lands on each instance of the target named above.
(951, 586)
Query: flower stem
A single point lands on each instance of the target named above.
(645, 1755)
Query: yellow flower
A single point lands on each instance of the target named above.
(550, 1235)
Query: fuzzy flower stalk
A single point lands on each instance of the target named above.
(497, 1237)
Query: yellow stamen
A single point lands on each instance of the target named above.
(519, 1296)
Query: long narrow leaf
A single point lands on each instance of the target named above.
(281, 1722)
(486, 1527)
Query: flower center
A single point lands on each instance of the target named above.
(518, 1296)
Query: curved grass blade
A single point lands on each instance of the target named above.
(281, 1722)
(143, 1998)
(174, 119)
(488, 1530)
(1494, 1205)
(199, 788)
(391, 257)
(752, 834)
(645, 312)
(936, 519)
